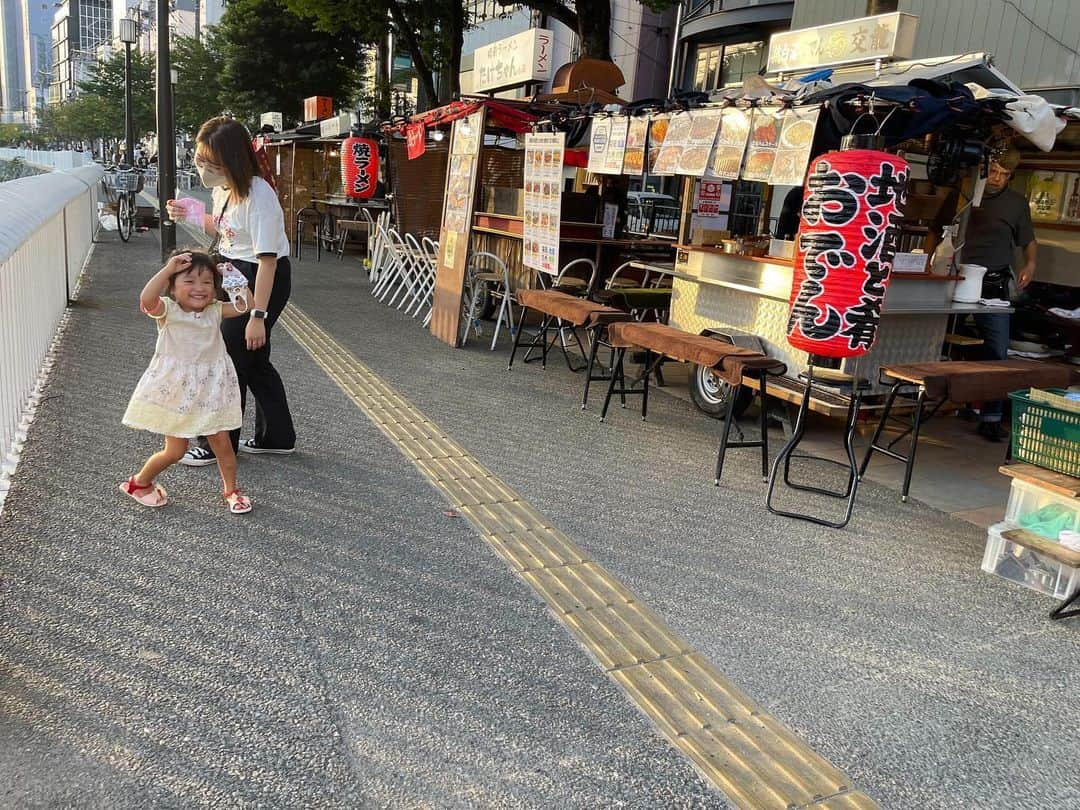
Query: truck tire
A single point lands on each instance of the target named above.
(710, 394)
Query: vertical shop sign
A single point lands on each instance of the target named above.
(466, 139)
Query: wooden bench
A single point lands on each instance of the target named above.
(934, 384)
(569, 311)
(731, 363)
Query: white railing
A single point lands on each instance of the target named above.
(47, 227)
(48, 159)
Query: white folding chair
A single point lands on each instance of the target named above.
(498, 284)
(392, 272)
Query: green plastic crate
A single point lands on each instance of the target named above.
(1044, 435)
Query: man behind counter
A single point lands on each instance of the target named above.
(996, 228)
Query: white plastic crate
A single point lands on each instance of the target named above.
(1040, 511)
(1026, 567)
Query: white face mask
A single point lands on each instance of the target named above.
(210, 178)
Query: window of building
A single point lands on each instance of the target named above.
(476, 11)
(719, 65)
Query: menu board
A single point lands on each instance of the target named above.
(678, 131)
(699, 143)
(658, 127)
(761, 148)
(613, 160)
(1071, 210)
(599, 139)
(461, 172)
(793, 150)
(543, 195)
(636, 140)
(730, 144)
(459, 190)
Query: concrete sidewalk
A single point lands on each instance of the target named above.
(350, 644)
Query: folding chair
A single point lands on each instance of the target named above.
(498, 283)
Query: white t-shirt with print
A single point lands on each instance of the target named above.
(253, 226)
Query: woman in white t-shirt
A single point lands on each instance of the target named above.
(249, 230)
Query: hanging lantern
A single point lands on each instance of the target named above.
(359, 167)
(852, 207)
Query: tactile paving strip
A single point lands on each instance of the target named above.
(734, 742)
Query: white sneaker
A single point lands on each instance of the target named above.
(250, 446)
(198, 457)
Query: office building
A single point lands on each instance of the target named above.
(79, 28)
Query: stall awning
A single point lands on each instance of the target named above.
(500, 115)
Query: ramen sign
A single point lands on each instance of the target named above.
(522, 58)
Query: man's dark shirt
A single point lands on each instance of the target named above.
(1001, 224)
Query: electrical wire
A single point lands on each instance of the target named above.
(1039, 28)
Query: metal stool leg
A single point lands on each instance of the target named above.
(1062, 611)
(645, 383)
(592, 362)
(616, 375)
(764, 404)
(517, 339)
(729, 417)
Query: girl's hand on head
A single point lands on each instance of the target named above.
(255, 334)
(179, 262)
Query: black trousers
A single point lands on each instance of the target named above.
(273, 422)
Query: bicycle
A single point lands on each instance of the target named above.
(121, 184)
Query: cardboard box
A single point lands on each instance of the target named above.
(709, 236)
(317, 108)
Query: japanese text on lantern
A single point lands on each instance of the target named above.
(363, 182)
(851, 212)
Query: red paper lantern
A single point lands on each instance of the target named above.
(852, 207)
(359, 167)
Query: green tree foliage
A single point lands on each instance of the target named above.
(101, 97)
(199, 93)
(431, 31)
(272, 60)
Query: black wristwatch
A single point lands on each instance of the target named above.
(258, 313)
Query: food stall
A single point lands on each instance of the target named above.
(734, 277)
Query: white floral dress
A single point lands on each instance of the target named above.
(190, 388)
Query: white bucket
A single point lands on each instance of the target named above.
(969, 288)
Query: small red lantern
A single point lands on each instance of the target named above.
(359, 167)
(852, 207)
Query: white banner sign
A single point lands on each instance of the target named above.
(543, 197)
(524, 57)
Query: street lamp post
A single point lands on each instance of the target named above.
(129, 34)
(165, 132)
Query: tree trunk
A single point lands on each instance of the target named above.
(594, 28)
(428, 95)
(456, 37)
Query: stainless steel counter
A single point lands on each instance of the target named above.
(711, 289)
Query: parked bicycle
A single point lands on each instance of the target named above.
(121, 184)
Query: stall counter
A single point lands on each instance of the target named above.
(712, 289)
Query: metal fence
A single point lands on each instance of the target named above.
(64, 160)
(650, 218)
(47, 227)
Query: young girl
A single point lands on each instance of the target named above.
(190, 387)
(249, 230)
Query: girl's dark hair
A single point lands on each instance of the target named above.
(228, 140)
(200, 260)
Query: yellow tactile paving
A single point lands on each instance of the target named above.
(734, 742)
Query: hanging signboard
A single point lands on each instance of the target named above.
(699, 143)
(543, 198)
(415, 140)
(636, 140)
(599, 139)
(461, 172)
(522, 58)
(616, 151)
(761, 147)
(730, 144)
(658, 127)
(885, 36)
(793, 148)
(678, 130)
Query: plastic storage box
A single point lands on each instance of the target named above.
(1026, 567)
(1045, 435)
(1041, 511)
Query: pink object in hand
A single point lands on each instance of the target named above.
(194, 210)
